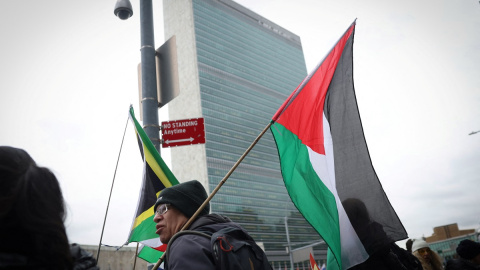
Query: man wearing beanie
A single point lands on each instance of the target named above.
(469, 256)
(429, 258)
(174, 207)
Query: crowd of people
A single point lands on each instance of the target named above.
(33, 235)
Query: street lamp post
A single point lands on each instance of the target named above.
(123, 9)
(289, 245)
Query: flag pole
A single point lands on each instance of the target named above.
(190, 221)
(135, 260)
(111, 189)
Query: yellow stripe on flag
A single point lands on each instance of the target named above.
(143, 216)
(146, 214)
(156, 168)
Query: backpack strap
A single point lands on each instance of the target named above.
(231, 247)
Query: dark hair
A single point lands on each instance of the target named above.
(409, 244)
(32, 212)
(468, 249)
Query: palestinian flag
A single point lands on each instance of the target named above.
(326, 166)
(156, 176)
(151, 255)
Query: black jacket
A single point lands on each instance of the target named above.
(384, 254)
(191, 251)
(391, 257)
(461, 264)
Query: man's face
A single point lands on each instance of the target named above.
(168, 223)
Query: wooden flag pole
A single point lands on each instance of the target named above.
(135, 260)
(190, 221)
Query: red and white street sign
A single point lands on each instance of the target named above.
(183, 132)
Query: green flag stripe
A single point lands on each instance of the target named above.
(145, 230)
(149, 254)
(157, 176)
(309, 194)
(154, 153)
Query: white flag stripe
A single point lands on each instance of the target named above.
(353, 251)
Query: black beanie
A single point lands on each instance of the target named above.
(186, 197)
(468, 249)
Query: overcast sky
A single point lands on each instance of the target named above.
(69, 76)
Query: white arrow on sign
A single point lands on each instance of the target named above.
(180, 140)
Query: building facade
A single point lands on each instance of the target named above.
(235, 70)
(447, 248)
(446, 238)
(447, 231)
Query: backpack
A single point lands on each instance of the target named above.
(232, 249)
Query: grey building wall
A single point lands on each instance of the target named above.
(112, 259)
(187, 162)
(235, 69)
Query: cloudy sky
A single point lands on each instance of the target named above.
(69, 77)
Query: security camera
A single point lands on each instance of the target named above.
(123, 9)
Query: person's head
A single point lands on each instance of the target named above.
(469, 250)
(32, 211)
(421, 247)
(175, 205)
(357, 212)
(429, 258)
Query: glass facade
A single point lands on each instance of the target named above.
(447, 248)
(247, 68)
